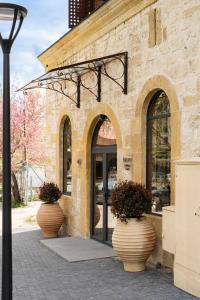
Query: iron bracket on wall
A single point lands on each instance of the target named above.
(57, 79)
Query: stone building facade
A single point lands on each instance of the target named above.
(162, 39)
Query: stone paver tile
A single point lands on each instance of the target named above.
(40, 274)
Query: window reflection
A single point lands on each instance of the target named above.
(159, 151)
(67, 158)
(105, 133)
(111, 172)
(98, 172)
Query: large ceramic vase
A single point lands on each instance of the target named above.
(133, 243)
(50, 218)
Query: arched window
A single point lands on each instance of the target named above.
(67, 158)
(104, 134)
(159, 150)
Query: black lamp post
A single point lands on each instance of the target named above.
(15, 14)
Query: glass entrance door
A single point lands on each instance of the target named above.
(104, 177)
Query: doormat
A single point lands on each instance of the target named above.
(75, 249)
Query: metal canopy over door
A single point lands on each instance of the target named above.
(104, 177)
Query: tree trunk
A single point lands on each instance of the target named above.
(15, 189)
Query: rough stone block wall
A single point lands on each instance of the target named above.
(175, 56)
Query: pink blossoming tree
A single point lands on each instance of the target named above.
(26, 133)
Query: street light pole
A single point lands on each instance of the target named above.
(6, 220)
(15, 14)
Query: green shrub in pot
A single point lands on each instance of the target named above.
(49, 192)
(130, 200)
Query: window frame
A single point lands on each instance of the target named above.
(65, 128)
(149, 141)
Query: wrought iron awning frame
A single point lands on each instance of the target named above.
(56, 79)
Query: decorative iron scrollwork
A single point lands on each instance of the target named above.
(56, 79)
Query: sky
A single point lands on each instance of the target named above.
(46, 22)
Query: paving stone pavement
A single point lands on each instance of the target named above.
(40, 274)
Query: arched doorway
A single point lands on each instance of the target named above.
(103, 179)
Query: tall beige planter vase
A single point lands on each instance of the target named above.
(50, 218)
(133, 243)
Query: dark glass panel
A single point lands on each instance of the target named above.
(159, 152)
(67, 158)
(98, 177)
(112, 171)
(98, 196)
(104, 134)
(111, 181)
(159, 106)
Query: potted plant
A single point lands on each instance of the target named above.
(133, 237)
(50, 216)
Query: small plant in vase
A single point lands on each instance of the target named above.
(134, 237)
(50, 216)
(49, 193)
